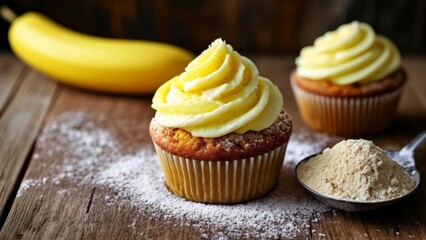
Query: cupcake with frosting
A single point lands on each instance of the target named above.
(220, 130)
(349, 81)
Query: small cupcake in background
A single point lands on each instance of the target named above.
(349, 82)
(220, 130)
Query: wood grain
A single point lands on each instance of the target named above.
(255, 26)
(415, 67)
(20, 122)
(80, 210)
(10, 70)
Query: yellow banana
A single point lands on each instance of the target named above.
(95, 63)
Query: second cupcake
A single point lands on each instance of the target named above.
(220, 130)
(349, 82)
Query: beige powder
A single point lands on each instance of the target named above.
(356, 170)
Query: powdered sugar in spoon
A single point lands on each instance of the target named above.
(404, 157)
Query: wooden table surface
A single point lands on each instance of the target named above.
(31, 149)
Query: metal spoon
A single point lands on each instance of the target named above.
(404, 157)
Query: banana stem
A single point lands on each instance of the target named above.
(7, 14)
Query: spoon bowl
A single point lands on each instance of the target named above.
(404, 157)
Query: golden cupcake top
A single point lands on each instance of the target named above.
(219, 92)
(353, 53)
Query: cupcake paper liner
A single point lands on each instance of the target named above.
(347, 116)
(224, 182)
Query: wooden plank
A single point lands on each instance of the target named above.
(82, 211)
(267, 26)
(61, 198)
(415, 66)
(336, 226)
(19, 126)
(70, 208)
(10, 70)
(44, 212)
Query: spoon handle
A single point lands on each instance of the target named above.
(411, 146)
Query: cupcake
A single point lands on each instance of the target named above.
(349, 82)
(220, 130)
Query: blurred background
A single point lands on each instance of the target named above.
(251, 26)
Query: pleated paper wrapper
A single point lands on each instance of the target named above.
(347, 116)
(221, 182)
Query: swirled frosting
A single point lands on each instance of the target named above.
(353, 53)
(219, 92)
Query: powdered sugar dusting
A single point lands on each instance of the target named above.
(283, 213)
(94, 158)
(305, 143)
(26, 184)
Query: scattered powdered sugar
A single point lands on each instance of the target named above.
(305, 143)
(283, 213)
(94, 157)
(26, 184)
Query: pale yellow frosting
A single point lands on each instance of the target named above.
(353, 53)
(220, 92)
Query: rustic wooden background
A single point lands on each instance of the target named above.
(272, 26)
